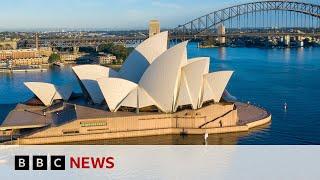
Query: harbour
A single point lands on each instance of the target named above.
(299, 62)
(160, 89)
(190, 82)
(134, 101)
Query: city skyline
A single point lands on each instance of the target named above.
(103, 15)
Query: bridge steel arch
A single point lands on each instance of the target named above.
(204, 23)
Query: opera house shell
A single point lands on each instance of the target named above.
(47, 92)
(152, 75)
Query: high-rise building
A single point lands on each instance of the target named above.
(154, 27)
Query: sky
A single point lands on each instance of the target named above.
(106, 14)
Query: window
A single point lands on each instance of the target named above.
(92, 124)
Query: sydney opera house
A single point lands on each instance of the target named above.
(157, 91)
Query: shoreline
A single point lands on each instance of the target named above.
(23, 70)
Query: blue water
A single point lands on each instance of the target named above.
(265, 77)
(270, 78)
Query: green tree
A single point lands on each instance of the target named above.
(54, 58)
(105, 47)
(120, 51)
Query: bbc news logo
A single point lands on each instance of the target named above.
(59, 162)
(39, 162)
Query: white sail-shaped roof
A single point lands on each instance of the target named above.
(152, 75)
(215, 84)
(137, 98)
(207, 92)
(144, 99)
(44, 91)
(115, 90)
(142, 56)
(160, 80)
(184, 97)
(47, 92)
(192, 80)
(131, 100)
(89, 74)
(64, 92)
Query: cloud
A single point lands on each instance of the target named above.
(166, 5)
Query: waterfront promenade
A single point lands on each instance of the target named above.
(94, 124)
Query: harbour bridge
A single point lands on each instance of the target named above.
(260, 18)
(254, 16)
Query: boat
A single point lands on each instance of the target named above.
(59, 64)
